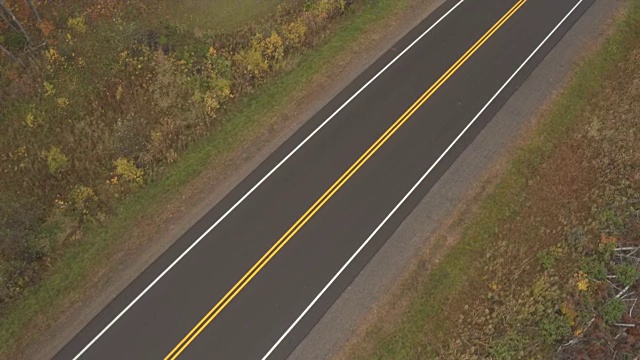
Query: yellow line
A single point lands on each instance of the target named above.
(202, 324)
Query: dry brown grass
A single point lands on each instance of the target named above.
(512, 287)
(105, 99)
(97, 248)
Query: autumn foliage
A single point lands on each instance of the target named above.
(96, 97)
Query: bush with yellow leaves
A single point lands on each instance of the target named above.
(128, 172)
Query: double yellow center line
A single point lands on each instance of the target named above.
(202, 324)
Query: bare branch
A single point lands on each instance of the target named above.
(6, 20)
(10, 55)
(612, 284)
(577, 338)
(34, 10)
(625, 325)
(571, 342)
(627, 248)
(9, 17)
(622, 292)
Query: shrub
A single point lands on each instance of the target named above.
(273, 49)
(14, 40)
(83, 200)
(507, 347)
(77, 24)
(555, 328)
(251, 64)
(111, 83)
(595, 267)
(610, 221)
(294, 34)
(56, 160)
(612, 311)
(127, 171)
(546, 259)
(627, 274)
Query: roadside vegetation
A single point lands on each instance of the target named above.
(107, 107)
(548, 265)
(99, 96)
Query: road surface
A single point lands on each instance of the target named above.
(253, 276)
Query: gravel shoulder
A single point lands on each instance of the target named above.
(364, 297)
(159, 229)
(431, 228)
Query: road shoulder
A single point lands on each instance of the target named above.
(471, 175)
(201, 194)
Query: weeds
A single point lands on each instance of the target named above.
(508, 347)
(64, 249)
(109, 94)
(548, 265)
(612, 311)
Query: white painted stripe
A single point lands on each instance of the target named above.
(258, 184)
(333, 279)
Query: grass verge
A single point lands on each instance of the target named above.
(218, 15)
(73, 275)
(534, 266)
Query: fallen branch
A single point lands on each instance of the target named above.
(10, 55)
(612, 284)
(11, 19)
(622, 292)
(571, 342)
(625, 325)
(34, 10)
(577, 338)
(626, 248)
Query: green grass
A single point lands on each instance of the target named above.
(458, 272)
(66, 282)
(216, 15)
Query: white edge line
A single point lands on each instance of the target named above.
(259, 183)
(414, 187)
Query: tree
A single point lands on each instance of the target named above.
(10, 18)
(10, 55)
(34, 10)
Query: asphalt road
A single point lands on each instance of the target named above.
(224, 291)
